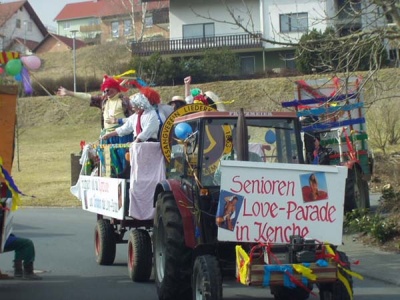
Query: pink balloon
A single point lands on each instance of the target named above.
(31, 62)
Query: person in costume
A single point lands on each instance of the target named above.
(196, 95)
(24, 257)
(143, 125)
(154, 99)
(177, 102)
(115, 109)
(320, 156)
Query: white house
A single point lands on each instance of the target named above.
(279, 24)
(20, 27)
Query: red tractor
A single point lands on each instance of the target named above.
(208, 224)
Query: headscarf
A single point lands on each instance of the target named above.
(140, 101)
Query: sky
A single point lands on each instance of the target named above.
(47, 10)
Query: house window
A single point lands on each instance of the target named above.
(161, 16)
(198, 30)
(289, 60)
(127, 27)
(247, 65)
(293, 22)
(114, 29)
(28, 26)
(148, 20)
(18, 23)
(67, 25)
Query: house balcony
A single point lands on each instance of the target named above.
(90, 28)
(192, 46)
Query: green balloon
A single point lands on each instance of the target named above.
(14, 67)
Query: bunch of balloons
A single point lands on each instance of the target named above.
(20, 67)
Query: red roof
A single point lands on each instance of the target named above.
(63, 39)
(104, 8)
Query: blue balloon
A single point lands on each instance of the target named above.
(270, 137)
(18, 77)
(183, 130)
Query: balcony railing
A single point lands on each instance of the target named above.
(192, 45)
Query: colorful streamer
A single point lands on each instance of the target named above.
(26, 81)
(15, 192)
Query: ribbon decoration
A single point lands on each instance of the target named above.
(15, 192)
(340, 276)
(129, 72)
(26, 81)
(242, 264)
(5, 56)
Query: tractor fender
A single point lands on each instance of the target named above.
(184, 205)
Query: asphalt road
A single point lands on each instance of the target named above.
(65, 259)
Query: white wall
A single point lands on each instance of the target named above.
(317, 18)
(182, 12)
(259, 16)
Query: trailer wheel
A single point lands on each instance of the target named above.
(104, 242)
(285, 293)
(140, 255)
(172, 259)
(337, 290)
(357, 192)
(207, 279)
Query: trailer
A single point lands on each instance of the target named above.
(121, 205)
(333, 110)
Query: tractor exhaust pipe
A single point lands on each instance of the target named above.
(242, 146)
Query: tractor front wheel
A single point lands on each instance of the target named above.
(207, 279)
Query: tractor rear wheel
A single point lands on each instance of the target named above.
(207, 279)
(357, 192)
(172, 259)
(104, 242)
(140, 255)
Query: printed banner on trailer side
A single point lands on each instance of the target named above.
(267, 203)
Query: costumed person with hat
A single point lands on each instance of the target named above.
(196, 95)
(143, 124)
(116, 109)
(177, 102)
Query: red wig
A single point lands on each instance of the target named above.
(152, 95)
(111, 83)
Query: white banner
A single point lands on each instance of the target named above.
(103, 195)
(267, 203)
